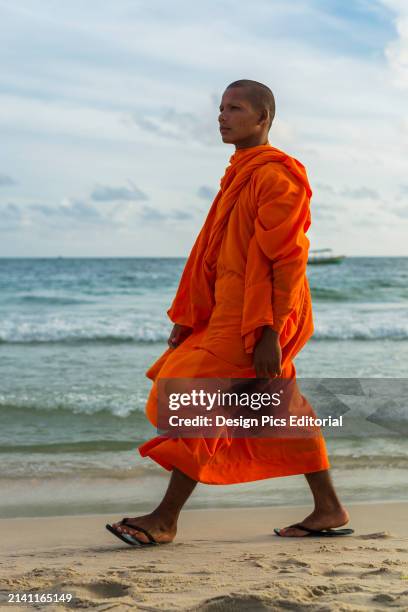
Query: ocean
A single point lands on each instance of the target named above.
(77, 335)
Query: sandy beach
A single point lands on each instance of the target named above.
(221, 560)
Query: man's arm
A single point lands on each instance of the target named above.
(280, 229)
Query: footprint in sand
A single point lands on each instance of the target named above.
(384, 598)
(397, 562)
(348, 569)
(325, 548)
(238, 603)
(336, 589)
(295, 562)
(288, 566)
(101, 590)
(381, 571)
(380, 535)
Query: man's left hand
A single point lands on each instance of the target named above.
(268, 354)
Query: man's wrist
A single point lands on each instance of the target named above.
(270, 332)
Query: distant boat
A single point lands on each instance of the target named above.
(324, 256)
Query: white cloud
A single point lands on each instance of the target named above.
(11, 217)
(397, 50)
(206, 193)
(129, 90)
(109, 193)
(6, 180)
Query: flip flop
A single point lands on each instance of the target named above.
(325, 533)
(129, 539)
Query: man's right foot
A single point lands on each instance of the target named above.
(162, 531)
(318, 520)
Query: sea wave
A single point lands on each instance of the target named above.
(51, 300)
(380, 292)
(67, 332)
(361, 331)
(149, 337)
(387, 292)
(85, 407)
(364, 326)
(82, 447)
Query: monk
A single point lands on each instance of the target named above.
(242, 310)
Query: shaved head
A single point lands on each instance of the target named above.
(258, 94)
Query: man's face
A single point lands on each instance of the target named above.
(239, 121)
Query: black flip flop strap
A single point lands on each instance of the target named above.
(308, 529)
(136, 528)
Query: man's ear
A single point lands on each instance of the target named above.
(264, 117)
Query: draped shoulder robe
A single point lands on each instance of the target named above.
(247, 269)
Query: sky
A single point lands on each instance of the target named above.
(108, 117)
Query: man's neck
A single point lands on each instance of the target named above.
(254, 142)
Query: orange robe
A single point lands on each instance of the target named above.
(246, 269)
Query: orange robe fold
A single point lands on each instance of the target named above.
(246, 269)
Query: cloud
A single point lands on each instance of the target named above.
(149, 214)
(78, 214)
(337, 112)
(180, 215)
(400, 211)
(357, 193)
(322, 211)
(325, 187)
(182, 126)
(11, 217)
(70, 211)
(6, 180)
(360, 193)
(402, 192)
(107, 193)
(206, 193)
(396, 51)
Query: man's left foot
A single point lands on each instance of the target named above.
(318, 520)
(161, 530)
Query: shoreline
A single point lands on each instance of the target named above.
(203, 508)
(222, 559)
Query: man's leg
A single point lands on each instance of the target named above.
(162, 522)
(328, 511)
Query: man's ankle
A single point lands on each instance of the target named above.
(165, 517)
(328, 507)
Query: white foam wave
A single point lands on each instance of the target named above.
(148, 322)
(59, 329)
(76, 402)
(361, 331)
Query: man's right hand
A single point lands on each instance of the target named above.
(178, 334)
